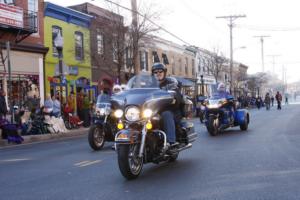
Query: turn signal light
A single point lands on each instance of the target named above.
(149, 126)
(120, 125)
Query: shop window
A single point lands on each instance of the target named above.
(79, 46)
(193, 67)
(180, 65)
(165, 59)
(32, 11)
(173, 65)
(55, 31)
(186, 66)
(115, 50)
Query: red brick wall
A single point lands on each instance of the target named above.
(34, 39)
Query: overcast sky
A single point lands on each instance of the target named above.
(195, 22)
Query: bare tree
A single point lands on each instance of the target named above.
(218, 62)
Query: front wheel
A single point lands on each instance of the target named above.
(96, 137)
(130, 164)
(213, 125)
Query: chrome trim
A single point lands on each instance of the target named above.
(165, 138)
(159, 98)
(144, 133)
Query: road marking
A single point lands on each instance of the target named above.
(87, 163)
(15, 160)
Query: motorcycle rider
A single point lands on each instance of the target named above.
(169, 115)
(222, 93)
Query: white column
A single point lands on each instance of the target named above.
(41, 81)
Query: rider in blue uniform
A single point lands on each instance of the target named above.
(222, 93)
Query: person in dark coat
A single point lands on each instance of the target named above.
(3, 105)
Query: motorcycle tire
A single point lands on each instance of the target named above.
(68, 125)
(211, 127)
(96, 137)
(244, 126)
(127, 157)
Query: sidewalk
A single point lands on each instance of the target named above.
(47, 137)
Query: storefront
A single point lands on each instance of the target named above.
(26, 77)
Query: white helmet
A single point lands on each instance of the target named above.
(221, 87)
(117, 88)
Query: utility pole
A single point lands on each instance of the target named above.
(135, 41)
(231, 19)
(273, 61)
(9, 93)
(262, 50)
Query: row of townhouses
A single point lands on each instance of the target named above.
(54, 49)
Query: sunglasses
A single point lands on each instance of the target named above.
(158, 72)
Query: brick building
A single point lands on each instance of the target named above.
(21, 23)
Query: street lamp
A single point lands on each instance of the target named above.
(59, 43)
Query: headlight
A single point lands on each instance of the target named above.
(119, 113)
(132, 114)
(102, 111)
(213, 105)
(147, 113)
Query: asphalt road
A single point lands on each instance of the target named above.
(262, 163)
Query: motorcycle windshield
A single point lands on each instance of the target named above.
(143, 80)
(103, 100)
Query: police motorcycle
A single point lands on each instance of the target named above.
(103, 124)
(220, 114)
(140, 138)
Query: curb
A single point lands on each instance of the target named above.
(47, 137)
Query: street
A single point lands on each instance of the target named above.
(262, 163)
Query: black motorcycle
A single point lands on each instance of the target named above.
(103, 125)
(141, 138)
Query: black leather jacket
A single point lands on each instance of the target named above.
(170, 83)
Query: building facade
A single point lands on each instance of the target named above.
(107, 43)
(179, 60)
(22, 25)
(73, 27)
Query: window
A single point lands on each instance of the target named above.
(144, 60)
(32, 11)
(55, 31)
(115, 50)
(186, 65)
(79, 46)
(193, 67)
(180, 65)
(155, 57)
(9, 2)
(165, 59)
(173, 65)
(100, 49)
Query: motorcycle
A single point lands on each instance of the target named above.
(220, 115)
(140, 138)
(102, 128)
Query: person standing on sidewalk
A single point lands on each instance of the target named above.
(56, 106)
(86, 111)
(272, 100)
(3, 105)
(278, 99)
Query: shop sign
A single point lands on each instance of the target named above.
(73, 70)
(11, 15)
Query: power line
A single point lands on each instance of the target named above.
(145, 17)
(275, 29)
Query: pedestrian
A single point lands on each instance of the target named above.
(272, 100)
(3, 105)
(86, 111)
(286, 100)
(278, 99)
(48, 105)
(267, 101)
(79, 101)
(258, 102)
(56, 106)
(71, 101)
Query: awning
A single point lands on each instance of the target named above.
(185, 82)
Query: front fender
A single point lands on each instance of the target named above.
(127, 136)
